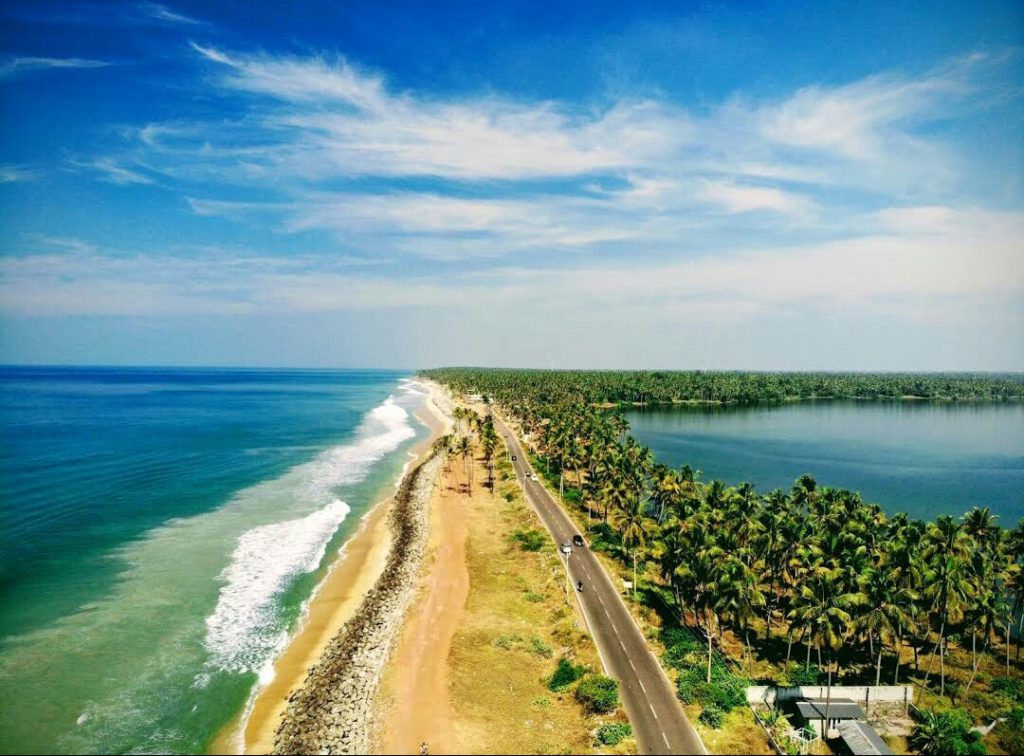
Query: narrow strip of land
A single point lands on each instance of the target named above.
(659, 723)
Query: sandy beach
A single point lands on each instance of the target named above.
(356, 569)
(418, 707)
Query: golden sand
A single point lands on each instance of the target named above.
(335, 601)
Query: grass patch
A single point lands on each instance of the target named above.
(614, 733)
(598, 694)
(529, 540)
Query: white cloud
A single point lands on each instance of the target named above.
(10, 174)
(902, 270)
(110, 170)
(736, 198)
(19, 65)
(163, 13)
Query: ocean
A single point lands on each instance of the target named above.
(162, 530)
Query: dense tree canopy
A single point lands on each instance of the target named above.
(599, 386)
(836, 575)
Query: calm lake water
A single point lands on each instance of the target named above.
(923, 458)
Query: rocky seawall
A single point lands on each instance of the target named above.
(331, 712)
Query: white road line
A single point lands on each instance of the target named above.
(651, 707)
(665, 738)
(642, 686)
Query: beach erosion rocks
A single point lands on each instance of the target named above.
(332, 711)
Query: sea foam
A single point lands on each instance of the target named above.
(246, 630)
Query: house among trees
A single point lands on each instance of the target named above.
(846, 718)
(860, 739)
(812, 713)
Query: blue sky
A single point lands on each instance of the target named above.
(701, 185)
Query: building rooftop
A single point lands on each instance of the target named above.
(861, 739)
(839, 708)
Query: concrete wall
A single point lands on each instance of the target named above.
(865, 695)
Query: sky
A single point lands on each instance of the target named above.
(745, 185)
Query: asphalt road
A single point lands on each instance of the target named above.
(659, 723)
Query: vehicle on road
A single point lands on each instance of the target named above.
(533, 477)
(513, 457)
(577, 540)
(579, 586)
(566, 549)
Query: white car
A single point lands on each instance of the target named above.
(566, 549)
(533, 477)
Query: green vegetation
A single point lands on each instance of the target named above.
(614, 733)
(1010, 734)
(529, 540)
(945, 732)
(724, 691)
(802, 585)
(712, 716)
(598, 694)
(566, 673)
(654, 387)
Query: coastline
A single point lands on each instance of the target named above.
(418, 707)
(356, 568)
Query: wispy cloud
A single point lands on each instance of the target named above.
(737, 198)
(163, 13)
(906, 270)
(10, 174)
(635, 205)
(22, 65)
(112, 171)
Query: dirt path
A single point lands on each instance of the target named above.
(416, 705)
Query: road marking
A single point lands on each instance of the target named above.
(665, 738)
(642, 686)
(651, 707)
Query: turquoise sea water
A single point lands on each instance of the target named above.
(161, 530)
(923, 458)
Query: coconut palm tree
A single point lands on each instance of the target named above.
(827, 613)
(946, 551)
(889, 609)
(633, 525)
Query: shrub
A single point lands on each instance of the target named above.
(1010, 734)
(510, 497)
(1008, 687)
(506, 642)
(534, 597)
(726, 691)
(529, 540)
(614, 733)
(598, 694)
(945, 732)
(809, 676)
(566, 673)
(712, 716)
(540, 648)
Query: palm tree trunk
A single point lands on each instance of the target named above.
(828, 699)
(1007, 646)
(709, 653)
(942, 661)
(878, 667)
(634, 574)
